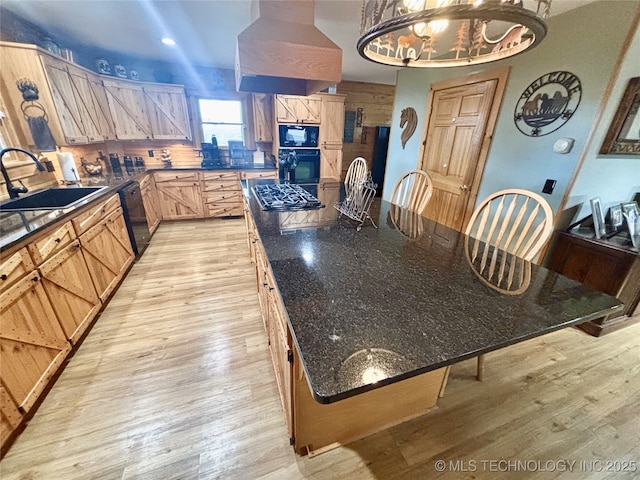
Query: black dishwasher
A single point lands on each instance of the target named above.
(135, 217)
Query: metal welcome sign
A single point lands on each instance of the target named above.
(547, 103)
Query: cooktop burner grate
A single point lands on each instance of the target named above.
(285, 197)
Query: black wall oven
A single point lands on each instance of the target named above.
(308, 165)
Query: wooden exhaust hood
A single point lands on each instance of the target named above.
(283, 51)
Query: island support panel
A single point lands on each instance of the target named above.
(322, 427)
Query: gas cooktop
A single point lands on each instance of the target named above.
(285, 197)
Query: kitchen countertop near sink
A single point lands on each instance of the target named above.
(381, 305)
(15, 226)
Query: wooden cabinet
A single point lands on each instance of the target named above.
(263, 117)
(150, 201)
(91, 99)
(128, 109)
(605, 266)
(108, 252)
(33, 344)
(331, 133)
(251, 174)
(296, 109)
(72, 97)
(64, 96)
(179, 194)
(222, 194)
(95, 214)
(167, 110)
(44, 248)
(69, 286)
(10, 416)
(14, 267)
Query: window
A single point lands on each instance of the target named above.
(222, 118)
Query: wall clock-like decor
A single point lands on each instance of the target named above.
(408, 118)
(547, 103)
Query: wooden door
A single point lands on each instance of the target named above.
(68, 284)
(128, 110)
(64, 97)
(282, 359)
(32, 342)
(167, 110)
(461, 118)
(92, 102)
(108, 252)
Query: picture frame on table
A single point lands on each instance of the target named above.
(629, 207)
(615, 217)
(598, 217)
(623, 136)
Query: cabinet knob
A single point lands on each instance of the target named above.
(57, 240)
(3, 276)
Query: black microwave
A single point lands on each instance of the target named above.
(298, 135)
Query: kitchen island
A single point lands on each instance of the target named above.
(368, 321)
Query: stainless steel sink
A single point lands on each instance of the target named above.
(52, 199)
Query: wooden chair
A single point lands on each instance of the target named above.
(413, 191)
(516, 221)
(356, 174)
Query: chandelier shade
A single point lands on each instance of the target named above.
(449, 33)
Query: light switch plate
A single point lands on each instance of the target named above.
(549, 185)
(563, 145)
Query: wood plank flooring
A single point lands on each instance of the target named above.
(175, 382)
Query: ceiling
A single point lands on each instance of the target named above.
(205, 31)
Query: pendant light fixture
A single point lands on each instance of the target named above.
(449, 33)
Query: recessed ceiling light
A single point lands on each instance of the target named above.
(168, 41)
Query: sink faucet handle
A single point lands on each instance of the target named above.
(22, 189)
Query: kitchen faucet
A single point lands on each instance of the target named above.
(13, 190)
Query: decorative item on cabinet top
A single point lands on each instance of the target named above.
(102, 66)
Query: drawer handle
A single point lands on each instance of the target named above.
(35, 279)
(3, 276)
(57, 240)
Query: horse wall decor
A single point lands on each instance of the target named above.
(408, 117)
(547, 103)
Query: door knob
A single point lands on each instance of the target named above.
(464, 187)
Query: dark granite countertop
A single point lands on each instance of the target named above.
(15, 226)
(377, 306)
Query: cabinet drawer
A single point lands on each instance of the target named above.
(175, 175)
(43, 249)
(233, 185)
(220, 176)
(225, 210)
(14, 267)
(259, 174)
(93, 216)
(224, 196)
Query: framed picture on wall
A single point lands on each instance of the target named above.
(623, 137)
(598, 217)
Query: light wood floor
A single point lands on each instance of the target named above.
(175, 382)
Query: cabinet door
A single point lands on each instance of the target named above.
(167, 110)
(14, 267)
(10, 416)
(93, 216)
(150, 201)
(263, 117)
(65, 99)
(32, 343)
(331, 134)
(128, 110)
(282, 358)
(180, 199)
(295, 109)
(91, 100)
(68, 284)
(108, 253)
(44, 248)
